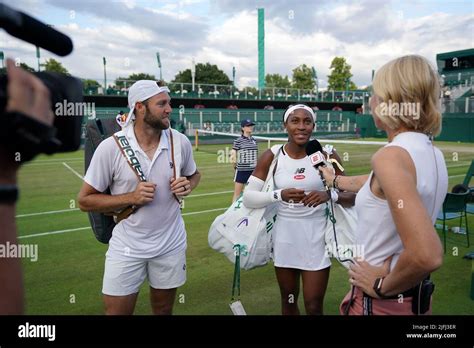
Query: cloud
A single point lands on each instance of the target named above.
(370, 20)
(236, 41)
(164, 25)
(129, 35)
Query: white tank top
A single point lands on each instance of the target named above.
(299, 174)
(376, 230)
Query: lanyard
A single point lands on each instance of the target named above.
(236, 283)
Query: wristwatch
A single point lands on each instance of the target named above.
(378, 287)
(8, 194)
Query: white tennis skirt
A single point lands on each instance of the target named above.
(299, 243)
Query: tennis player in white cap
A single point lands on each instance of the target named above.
(151, 242)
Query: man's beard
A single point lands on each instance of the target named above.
(153, 121)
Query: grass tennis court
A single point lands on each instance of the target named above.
(67, 278)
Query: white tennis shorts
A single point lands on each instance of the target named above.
(124, 277)
(299, 243)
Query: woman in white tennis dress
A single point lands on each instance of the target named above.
(299, 247)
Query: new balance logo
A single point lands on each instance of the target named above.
(300, 170)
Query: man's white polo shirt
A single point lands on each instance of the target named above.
(156, 229)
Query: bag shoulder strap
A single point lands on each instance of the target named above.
(172, 153)
(276, 160)
(129, 155)
(268, 186)
(176, 147)
(174, 163)
(100, 127)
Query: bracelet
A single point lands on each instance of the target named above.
(334, 182)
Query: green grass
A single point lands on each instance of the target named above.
(67, 278)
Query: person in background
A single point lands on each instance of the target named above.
(243, 157)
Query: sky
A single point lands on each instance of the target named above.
(368, 33)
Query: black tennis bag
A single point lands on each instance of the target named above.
(98, 130)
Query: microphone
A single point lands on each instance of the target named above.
(314, 152)
(27, 28)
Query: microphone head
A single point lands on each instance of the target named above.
(317, 159)
(313, 146)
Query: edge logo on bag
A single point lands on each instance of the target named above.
(131, 157)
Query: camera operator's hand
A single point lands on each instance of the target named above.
(28, 95)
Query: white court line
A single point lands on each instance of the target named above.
(459, 165)
(58, 160)
(204, 211)
(76, 209)
(50, 163)
(456, 176)
(53, 232)
(209, 194)
(73, 171)
(47, 212)
(88, 227)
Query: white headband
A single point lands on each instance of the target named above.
(142, 91)
(296, 107)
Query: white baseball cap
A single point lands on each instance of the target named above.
(140, 91)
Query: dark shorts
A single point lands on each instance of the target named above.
(242, 176)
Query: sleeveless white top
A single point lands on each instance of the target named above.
(376, 230)
(299, 174)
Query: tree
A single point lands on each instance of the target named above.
(340, 77)
(141, 76)
(277, 80)
(303, 77)
(205, 73)
(53, 65)
(87, 83)
(120, 83)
